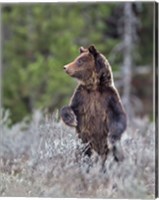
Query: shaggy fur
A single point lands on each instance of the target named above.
(95, 109)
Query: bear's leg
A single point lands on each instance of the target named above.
(89, 165)
(68, 116)
(103, 161)
(87, 151)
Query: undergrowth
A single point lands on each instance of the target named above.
(44, 158)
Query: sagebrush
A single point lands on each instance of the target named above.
(44, 159)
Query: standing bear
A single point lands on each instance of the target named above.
(95, 109)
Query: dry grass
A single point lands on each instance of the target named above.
(44, 159)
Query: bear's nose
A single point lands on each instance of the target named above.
(65, 67)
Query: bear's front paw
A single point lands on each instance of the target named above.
(68, 116)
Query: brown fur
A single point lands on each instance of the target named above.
(95, 109)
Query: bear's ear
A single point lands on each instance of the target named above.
(81, 49)
(93, 50)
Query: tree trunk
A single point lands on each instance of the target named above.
(127, 59)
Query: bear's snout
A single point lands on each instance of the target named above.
(68, 70)
(65, 67)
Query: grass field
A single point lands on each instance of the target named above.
(44, 159)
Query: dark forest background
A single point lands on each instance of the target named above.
(39, 39)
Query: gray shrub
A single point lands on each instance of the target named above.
(45, 158)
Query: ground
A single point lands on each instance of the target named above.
(44, 159)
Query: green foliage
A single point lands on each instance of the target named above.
(39, 39)
(40, 42)
(145, 32)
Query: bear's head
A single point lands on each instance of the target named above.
(90, 63)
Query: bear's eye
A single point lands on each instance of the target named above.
(80, 62)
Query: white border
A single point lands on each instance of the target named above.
(36, 198)
(54, 1)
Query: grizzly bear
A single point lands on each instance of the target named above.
(95, 109)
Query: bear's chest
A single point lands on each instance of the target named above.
(92, 121)
(92, 112)
(93, 103)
